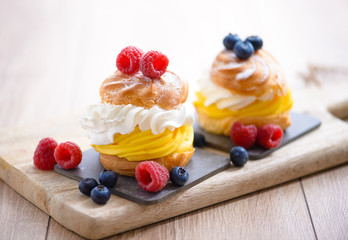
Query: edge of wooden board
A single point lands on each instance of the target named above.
(59, 196)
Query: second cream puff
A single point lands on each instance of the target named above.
(251, 91)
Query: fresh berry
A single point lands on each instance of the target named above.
(151, 176)
(86, 185)
(198, 140)
(255, 41)
(100, 194)
(154, 64)
(239, 156)
(128, 60)
(108, 178)
(179, 176)
(44, 154)
(244, 136)
(68, 155)
(270, 136)
(230, 40)
(243, 50)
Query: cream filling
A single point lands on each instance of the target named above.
(223, 98)
(102, 121)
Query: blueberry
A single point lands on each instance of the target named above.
(255, 41)
(179, 176)
(86, 185)
(100, 194)
(230, 40)
(239, 156)
(198, 140)
(108, 178)
(243, 50)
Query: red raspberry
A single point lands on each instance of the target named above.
(151, 176)
(244, 136)
(68, 155)
(270, 136)
(154, 64)
(43, 156)
(128, 60)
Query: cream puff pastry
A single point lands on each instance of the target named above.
(141, 119)
(251, 91)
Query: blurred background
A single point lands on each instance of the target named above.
(63, 50)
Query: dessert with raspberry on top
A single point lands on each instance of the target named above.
(142, 115)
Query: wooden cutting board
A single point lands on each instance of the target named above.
(59, 196)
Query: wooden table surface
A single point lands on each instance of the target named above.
(55, 54)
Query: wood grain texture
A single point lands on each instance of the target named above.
(59, 197)
(57, 231)
(246, 216)
(19, 219)
(327, 197)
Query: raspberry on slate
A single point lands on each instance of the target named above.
(44, 154)
(154, 64)
(68, 155)
(244, 136)
(151, 176)
(270, 136)
(128, 60)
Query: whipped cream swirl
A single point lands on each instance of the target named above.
(102, 121)
(223, 98)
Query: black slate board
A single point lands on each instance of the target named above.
(202, 165)
(300, 125)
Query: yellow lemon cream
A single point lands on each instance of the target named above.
(142, 145)
(258, 108)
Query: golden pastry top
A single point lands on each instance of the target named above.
(167, 92)
(259, 75)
